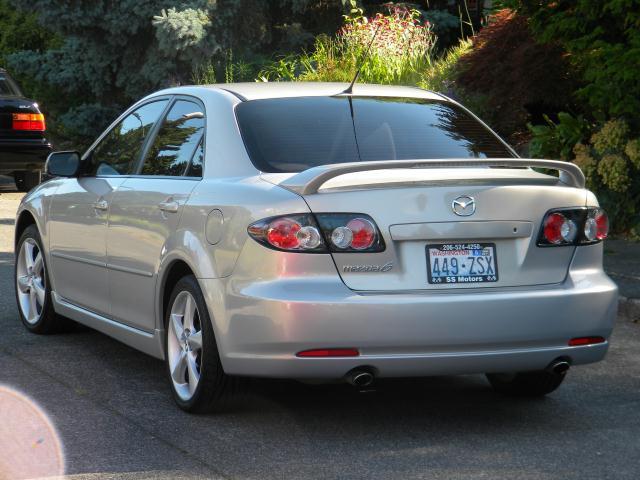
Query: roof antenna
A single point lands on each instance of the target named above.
(349, 89)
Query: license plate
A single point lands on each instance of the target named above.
(462, 263)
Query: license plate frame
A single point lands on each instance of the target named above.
(464, 251)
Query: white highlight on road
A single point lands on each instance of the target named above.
(30, 447)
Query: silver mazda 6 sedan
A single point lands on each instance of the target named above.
(313, 232)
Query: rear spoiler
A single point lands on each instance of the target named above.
(309, 181)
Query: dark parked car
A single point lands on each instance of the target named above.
(23, 145)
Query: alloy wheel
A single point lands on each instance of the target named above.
(184, 345)
(31, 281)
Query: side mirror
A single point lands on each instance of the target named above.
(63, 164)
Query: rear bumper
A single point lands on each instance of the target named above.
(260, 326)
(23, 154)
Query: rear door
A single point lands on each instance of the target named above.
(146, 211)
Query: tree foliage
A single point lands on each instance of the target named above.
(110, 53)
(603, 41)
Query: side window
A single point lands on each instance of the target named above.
(177, 141)
(195, 169)
(119, 151)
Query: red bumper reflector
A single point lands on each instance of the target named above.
(329, 352)
(576, 342)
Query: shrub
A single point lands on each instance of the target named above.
(443, 71)
(554, 140)
(609, 158)
(602, 39)
(445, 25)
(519, 78)
(401, 50)
(610, 161)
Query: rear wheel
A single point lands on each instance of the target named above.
(196, 376)
(33, 290)
(526, 384)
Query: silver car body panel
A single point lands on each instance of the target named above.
(108, 269)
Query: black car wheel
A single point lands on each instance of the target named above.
(526, 384)
(198, 381)
(27, 180)
(33, 290)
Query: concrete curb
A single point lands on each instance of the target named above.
(629, 308)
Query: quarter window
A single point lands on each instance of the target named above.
(119, 152)
(177, 141)
(195, 169)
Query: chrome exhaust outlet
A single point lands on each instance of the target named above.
(360, 378)
(559, 367)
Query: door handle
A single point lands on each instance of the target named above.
(101, 205)
(170, 206)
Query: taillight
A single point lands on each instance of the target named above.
(291, 233)
(559, 229)
(350, 232)
(596, 226)
(28, 121)
(573, 226)
(336, 232)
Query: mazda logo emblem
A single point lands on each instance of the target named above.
(464, 206)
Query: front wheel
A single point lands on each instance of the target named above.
(197, 379)
(33, 290)
(526, 384)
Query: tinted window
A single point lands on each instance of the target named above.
(195, 169)
(293, 134)
(118, 153)
(7, 87)
(177, 140)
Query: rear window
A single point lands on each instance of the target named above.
(8, 87)
(293, 134)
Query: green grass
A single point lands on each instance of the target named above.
(442, 72)
(332, 61)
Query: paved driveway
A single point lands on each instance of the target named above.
(114, 416)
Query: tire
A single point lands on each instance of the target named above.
(526, 384)
(32, 285)
(191, 352)
(27, 180)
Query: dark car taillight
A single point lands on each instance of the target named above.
(573, 226)
(28, 121)
(350, 232)
(335, 232)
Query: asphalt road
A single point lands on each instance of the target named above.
(112, 411)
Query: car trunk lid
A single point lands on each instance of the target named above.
(413, 208)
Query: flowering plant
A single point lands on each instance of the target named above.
(401, 33)
(401, 50)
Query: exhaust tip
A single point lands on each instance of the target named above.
(360, 378)
(559, 367)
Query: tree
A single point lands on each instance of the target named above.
(603, 42)
(111, 53)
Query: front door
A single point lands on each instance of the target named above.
(78, 230)
(146, 211)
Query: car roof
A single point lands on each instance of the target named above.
(262, 90)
